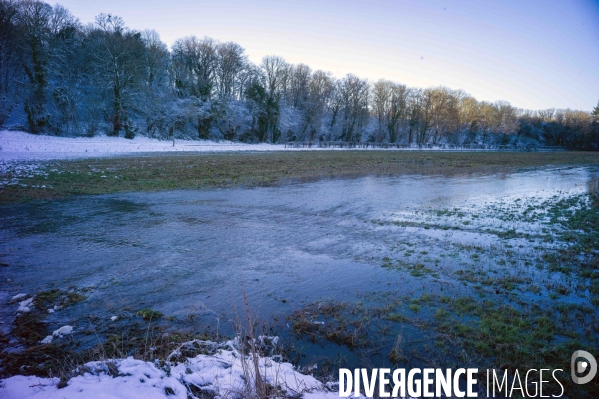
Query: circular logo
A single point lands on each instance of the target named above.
(582, 366)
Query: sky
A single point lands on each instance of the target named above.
(534, 54)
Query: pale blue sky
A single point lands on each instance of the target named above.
(534, 54)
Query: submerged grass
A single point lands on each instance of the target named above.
(525, 305)
(160, 345)
(149, 314)
(146, 342)
(495, 329)
(29, 327)
(61, 179)
(465, 331)
(59, 298)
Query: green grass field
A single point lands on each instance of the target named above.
(62, 179)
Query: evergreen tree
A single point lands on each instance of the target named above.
(595, 113)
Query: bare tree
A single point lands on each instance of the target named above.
(274, 74)
(299, 85)
(194, 66)
(424, 107)
(157, 59)
(381, 106)
(352, 98)
(10, 70)
(398, 111)
(64, 74)
(34, 20)
(321, 90)
(231, 62)
(507, 119)
(390, 108)
(546, 115)
(120, 61)
(445, 113)
(469, 113)
(156, 95)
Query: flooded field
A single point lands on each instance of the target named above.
(493, 270)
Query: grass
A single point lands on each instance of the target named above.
(30, 327)
(501, 326)
(490, 331)
(56, 297)
(149, 314)
(570, 222)
(151, 343)
(62, 359)
(508, 335)
(63, 179)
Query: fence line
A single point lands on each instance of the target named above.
(357, 144)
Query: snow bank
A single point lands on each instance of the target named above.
(222, 373)
(20, 146)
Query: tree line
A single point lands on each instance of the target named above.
(58, 76)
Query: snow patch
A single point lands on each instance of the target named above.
(21, 146)
(223, 374)
(24, 306)
(64, 330)
(47, 340)
(17, 297)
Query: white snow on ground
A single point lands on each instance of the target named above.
(18, 296)
(64, 330)
(20, 146)
(47, 340)
(21, 152)
(24, 306)
(223, 373)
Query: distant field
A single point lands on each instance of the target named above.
(22, 182)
